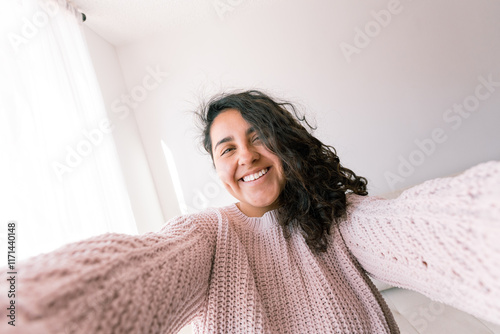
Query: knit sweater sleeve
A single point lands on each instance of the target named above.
(116, 283)
(440, 238)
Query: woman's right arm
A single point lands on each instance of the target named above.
(116, 283)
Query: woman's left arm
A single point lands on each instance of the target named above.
(440, 238)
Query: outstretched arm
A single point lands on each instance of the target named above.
(117, 283)
(440, 238)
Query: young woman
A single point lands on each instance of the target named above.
(291, 256)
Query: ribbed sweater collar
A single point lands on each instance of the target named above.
(267, 221)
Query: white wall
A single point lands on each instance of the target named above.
(139, 182)
(395, 91)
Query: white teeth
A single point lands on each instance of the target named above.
(255, 176)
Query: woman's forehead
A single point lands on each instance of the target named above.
(227, 126)
(229, 120)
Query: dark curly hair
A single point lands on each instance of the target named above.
(316, 183)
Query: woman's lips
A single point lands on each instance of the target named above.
(255, 176)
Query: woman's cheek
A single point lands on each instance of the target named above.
(224, 173)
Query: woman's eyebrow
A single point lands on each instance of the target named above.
(249, 131)
(223, 140)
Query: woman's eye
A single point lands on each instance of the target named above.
(256, 138)
(226, 151)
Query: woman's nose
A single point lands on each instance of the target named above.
(247, 155)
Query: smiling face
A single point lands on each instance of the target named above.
(248, 170)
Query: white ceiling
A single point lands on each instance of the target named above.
(124, 21)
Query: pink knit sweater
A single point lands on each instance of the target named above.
(228, 273)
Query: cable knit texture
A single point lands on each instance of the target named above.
(229, 273)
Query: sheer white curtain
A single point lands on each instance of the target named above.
(59, 171)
